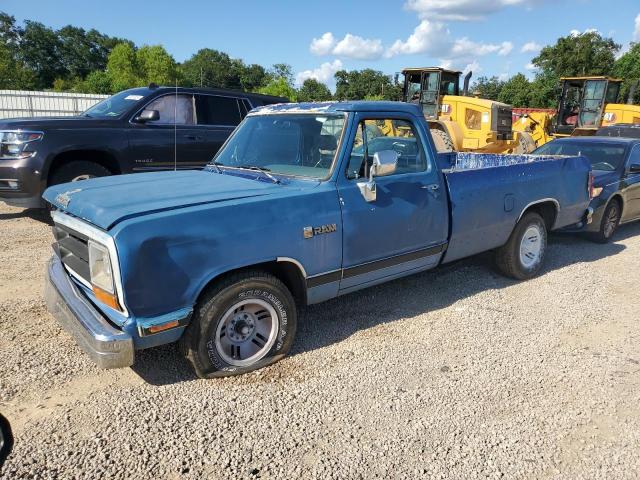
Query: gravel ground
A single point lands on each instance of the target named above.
(456, 373)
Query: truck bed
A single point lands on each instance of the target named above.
(489, 193)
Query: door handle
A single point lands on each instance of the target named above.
(432, 187)
(193, 137)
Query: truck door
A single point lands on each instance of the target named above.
(405, 228)
(592, 103)
(631, 187)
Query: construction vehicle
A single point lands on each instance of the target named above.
(458, 121)
(585, 105)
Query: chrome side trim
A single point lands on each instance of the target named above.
(295, 262)
(101, 237)
(543, 200)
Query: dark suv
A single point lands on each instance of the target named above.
(138, 130)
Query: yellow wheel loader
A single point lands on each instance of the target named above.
(585, 105)
(460, 122)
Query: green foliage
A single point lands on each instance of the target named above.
(314, 91)
(628, 68)
(97, 81)
(40, 52)
(122, 67)
(280, 88)
(516, 91)
(13, 75)
(488, 88)
(360, 84)
(578, 55)
(156, 66)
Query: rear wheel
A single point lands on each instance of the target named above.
(244, 323)
(523, 254)
(609, 223)
(76, 171)
(442, 141)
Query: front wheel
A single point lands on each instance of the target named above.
(244, 323)
(523, 254)
(76, 171)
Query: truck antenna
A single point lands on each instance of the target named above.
(175, 129)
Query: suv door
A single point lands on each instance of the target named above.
(217, 117)
(166, 143)
(631, 187)
(406, 227)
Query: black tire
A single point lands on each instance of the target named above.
(508, 257)
(442, 141)
(609, 223)
(75, 170)
(199, 343)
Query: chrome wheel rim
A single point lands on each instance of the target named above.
(246, 332)
(82, 177)
(531, 246)
(611, 222)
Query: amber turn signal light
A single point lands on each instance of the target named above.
(109, 299)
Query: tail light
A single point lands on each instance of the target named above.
(593, 190)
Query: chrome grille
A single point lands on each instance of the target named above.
(73, 249)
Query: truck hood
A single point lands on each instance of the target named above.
(109, 200)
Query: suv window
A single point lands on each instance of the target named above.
(216, 110)
(386, 134)
(173, 108)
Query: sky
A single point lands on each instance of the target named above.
(317, 38)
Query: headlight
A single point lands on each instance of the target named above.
(102, 275)
(14, 143)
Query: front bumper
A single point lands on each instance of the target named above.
(21, 182)
(105, 344)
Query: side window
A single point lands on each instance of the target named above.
(634, 156)
(173, 108)
(215, 110)
(386, 134)
(245, 106)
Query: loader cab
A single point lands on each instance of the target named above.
(582, 103)
(427, 86)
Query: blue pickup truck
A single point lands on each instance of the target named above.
(304, 202)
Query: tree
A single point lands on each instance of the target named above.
(39, 50)
(97, 81)
(82, 52)
(627, 67)
(488, 88)
(210, 68)
(516, 91)
(156, 66)
(282, 70)
(252, 76)
(578, 55)
(544, 91)
(13, 75)
(360, 84)
(279, 87)
(122, 68)
(313, 91)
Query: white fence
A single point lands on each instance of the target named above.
(23, 103)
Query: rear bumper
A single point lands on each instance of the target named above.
(107, 346)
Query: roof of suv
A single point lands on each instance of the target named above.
(211, 91)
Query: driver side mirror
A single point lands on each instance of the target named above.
(634, 168)
(385, 162)
(148, 116)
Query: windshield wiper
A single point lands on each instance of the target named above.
(263, 170)
(217, 165)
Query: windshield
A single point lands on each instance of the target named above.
(115, 105)
(604, 157)
(301, 145)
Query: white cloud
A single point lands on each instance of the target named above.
(324, 73)
(322, 45)
(576, 33)
(531, 47)
(427, 37)
(460, 10)
(434, 39)
(530, 66)
(472, 67)
(636, 32)
(352, 46)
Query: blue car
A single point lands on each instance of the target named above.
(304, 202)
(616, 187)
